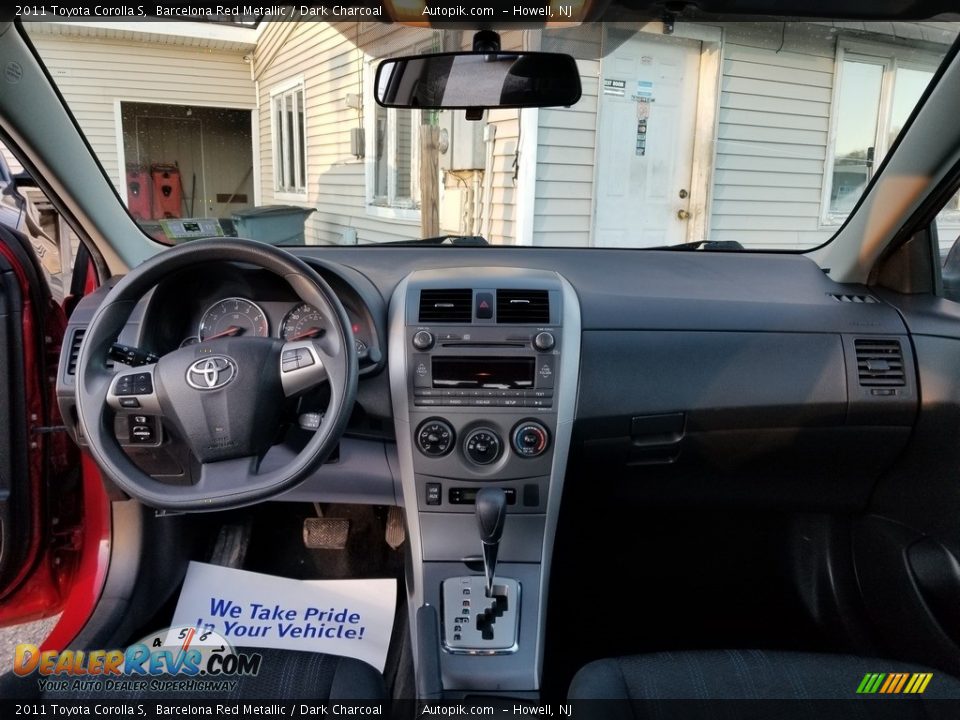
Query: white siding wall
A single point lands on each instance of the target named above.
(773, 132)
(500, 207)
(12, 162)
(94, 76)
(325, 56)
(772, 135)
(565, 167)
(563, 209)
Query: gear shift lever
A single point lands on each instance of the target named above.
(491, 514)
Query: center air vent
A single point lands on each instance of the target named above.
(880, 363)
(523, 306)
(446, 306)
(75, 350)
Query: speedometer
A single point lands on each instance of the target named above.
(233, 316)
(303, 322)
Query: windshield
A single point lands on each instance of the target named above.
(726, 135)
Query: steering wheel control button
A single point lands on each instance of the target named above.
(435, 437)
(434, 493)
(211, 373)
(288, 360)
(530, 439)
(544, 341)
(129, 402)
(423, 340)
(134, 384)
(482, 446)
(295, 359)
(131, 356)
(143, 429)
(304, 358)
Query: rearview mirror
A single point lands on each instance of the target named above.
(477, 80)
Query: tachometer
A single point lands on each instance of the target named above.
(303, 322)
(233, 316)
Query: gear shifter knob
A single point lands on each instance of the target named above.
(491, 514)
(491, 511)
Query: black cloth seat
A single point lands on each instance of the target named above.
(736, 675)
(283, 675)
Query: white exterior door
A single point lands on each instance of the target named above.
(647, 116)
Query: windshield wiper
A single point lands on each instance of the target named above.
(701, 245)
(461, 240)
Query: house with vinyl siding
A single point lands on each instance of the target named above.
(762, 134)
(149, 93)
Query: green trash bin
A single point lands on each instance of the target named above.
(274, 224)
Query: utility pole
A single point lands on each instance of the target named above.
(429, 177)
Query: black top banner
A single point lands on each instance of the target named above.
(413, 12)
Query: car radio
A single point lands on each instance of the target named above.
(485, 367)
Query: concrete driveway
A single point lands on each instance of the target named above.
(10, 637)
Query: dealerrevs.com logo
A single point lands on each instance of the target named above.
(176, 660)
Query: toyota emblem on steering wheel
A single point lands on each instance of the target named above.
(211, 373)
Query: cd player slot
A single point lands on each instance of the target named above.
(484, 344)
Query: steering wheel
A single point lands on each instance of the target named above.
(225, 397)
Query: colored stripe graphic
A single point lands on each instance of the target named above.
(894, 683)
(903, 681)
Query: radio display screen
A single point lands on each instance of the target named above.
(483, 372)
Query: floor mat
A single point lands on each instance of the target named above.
(276, 544)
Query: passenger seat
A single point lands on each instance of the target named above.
(757, 675)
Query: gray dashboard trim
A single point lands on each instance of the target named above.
(624, 289)
(566, 393)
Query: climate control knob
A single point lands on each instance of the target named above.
(423, 340)
(544, 341)
(530, 439)
(482, 446)
(435, 437)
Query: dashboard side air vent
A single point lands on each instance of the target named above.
(523, 306)
(75, 342)
(842, 298)
(880, 363)
(446, 306)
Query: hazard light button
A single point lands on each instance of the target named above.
(484, 305)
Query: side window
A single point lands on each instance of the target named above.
(393, 163)
(874, 97)
(25, 208)
(948, 236)
(289, 132)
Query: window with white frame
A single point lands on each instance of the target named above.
(876, 91)
(393, 154)
(289, 139)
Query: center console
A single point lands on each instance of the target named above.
(483, 370)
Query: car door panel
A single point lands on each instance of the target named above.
(37, 557)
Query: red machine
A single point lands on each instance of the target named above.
(139, 192)
(167, 191)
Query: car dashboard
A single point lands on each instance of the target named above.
(687, 360)
(645, 378)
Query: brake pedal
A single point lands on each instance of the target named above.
(321, 533)
(396, 533)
